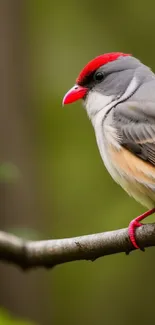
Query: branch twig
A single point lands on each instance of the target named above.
(49, 253)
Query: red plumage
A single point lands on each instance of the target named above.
(97, 62)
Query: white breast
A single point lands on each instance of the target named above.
(97, 106)
(106, 136)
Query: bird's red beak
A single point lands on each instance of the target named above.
(75, 93)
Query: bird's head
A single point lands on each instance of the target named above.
(103, 80)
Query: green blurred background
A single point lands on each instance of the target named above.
(52, 181)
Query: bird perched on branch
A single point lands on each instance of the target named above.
(118, 93)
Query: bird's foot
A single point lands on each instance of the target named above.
(131, 230)
(135, 223)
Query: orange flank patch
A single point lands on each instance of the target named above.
(132, 166)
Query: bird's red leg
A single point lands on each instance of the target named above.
(135, 223)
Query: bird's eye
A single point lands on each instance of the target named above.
(98, 76)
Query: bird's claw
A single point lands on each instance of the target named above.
(131, 231)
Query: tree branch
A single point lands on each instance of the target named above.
(49, 253)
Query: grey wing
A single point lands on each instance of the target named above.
(135, 123)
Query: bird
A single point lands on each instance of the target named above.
(118, 94)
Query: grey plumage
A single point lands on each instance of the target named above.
(135, 123)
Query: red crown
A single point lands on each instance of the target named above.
(97, 62)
